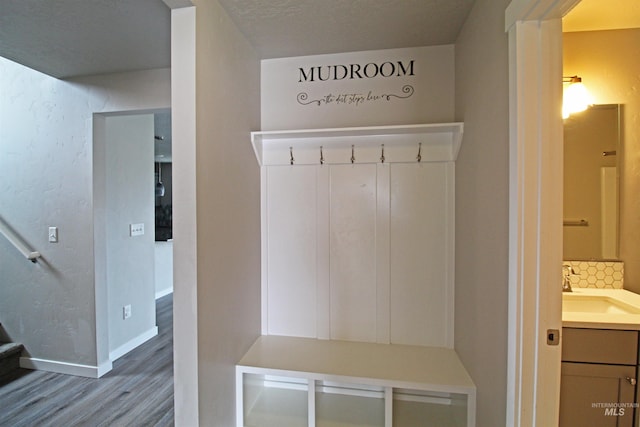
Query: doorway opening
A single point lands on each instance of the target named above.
(126, 279)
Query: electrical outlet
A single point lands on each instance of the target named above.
(136, 229)
(53, 234)
(126, 311)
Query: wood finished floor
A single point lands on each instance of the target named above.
(137, 392)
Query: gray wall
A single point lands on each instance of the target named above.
(46, 166)
(129, 200)
(482, 190)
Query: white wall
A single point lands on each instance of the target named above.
(292, 101)
(164, 268)
(185, 273)
(46, 166)
(217, 228)
(482, 184)
(130, 259)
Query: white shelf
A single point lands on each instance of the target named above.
(413, 367)
(410, 414)
(336, 410)
(355, 383)
(439, 142)
(273, 406)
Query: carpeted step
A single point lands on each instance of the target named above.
(9, 359)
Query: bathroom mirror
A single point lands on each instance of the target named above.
(591, 184)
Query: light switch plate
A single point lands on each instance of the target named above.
(126, 311)
(53, 234)
(136, 229)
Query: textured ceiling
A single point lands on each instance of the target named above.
(284, 28)
(66, 38)
(69, 38)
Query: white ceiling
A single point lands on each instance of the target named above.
(66, 38)
(286, 28)
(592, 15)
(69, 38)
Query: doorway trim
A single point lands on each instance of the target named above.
(106, 353)
(185, 290)
(535, 209)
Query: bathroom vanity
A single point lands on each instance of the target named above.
(600, 358)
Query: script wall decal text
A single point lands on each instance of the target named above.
(354, 99)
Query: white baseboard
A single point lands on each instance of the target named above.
(131, 344)
(88, 371)
(164, 292)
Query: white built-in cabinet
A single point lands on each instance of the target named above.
(357, 248)
(290, 381)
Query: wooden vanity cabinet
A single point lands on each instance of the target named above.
(598, 378)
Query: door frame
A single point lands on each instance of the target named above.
(535, 209)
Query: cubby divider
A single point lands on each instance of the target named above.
(289, 382)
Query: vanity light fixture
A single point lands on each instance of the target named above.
(575, 97)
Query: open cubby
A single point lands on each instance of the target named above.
(291, 381)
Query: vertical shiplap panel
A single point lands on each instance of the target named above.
(353, 252)
(291, 250)
(383, 199)
(264, 247)
(421, 218)
(323, 321)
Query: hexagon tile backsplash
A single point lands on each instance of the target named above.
(597, 274)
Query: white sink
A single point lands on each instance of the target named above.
(596, 304)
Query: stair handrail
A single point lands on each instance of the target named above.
(17, 242)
